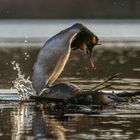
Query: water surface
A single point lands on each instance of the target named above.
(22, 120)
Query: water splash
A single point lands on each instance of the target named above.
(22, 84)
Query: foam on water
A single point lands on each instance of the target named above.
(22, 84)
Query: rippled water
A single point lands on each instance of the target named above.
(22, 120)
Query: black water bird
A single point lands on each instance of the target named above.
(71, 93)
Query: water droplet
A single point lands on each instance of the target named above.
(22, 84)
(13, 62)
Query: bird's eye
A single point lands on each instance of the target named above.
(111, 97)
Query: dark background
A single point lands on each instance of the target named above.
(70, 9)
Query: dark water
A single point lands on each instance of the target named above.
(24, 121)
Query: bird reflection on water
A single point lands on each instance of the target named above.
(27, 122)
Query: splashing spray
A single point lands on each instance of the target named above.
(22, 84)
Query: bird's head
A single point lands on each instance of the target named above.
(108, 98)
(85, 40)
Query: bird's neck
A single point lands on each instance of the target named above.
(71, 33)
(74, 29)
